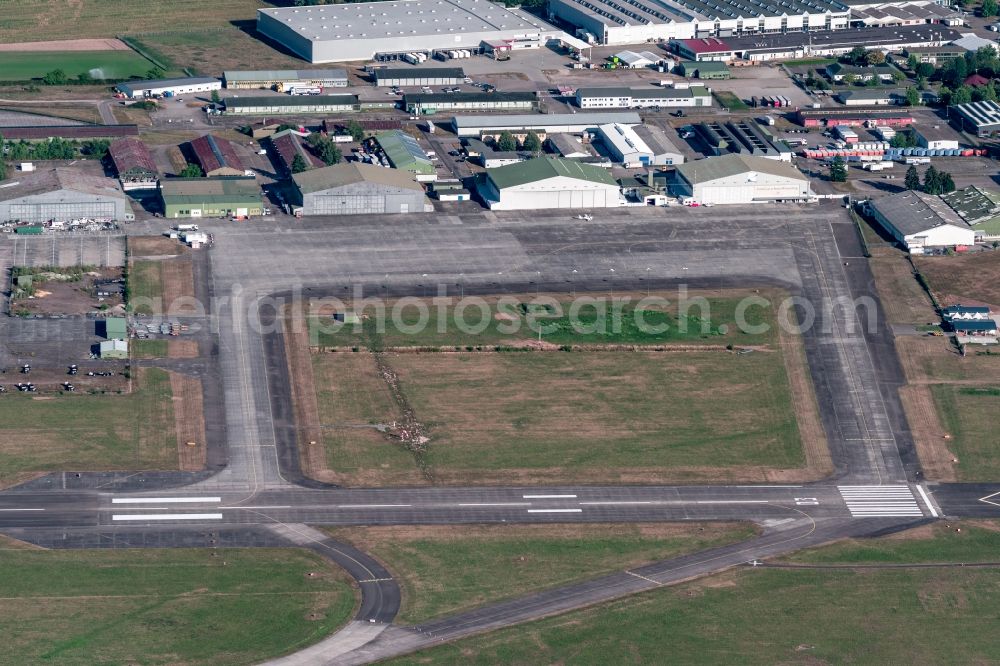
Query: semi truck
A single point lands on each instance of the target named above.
(305, 90)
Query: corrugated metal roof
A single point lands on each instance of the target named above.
(541, 120)
(913, 212)
(291, 101)
(347, 173)
(421, 73)
(60, 178)
(214, 153)
(430, 98)
(167, 83)
(286, 75)
(542, 168)
(403, 151)
(130, 154)
(199, 190)
(714, 168)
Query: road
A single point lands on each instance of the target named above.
(259, 496)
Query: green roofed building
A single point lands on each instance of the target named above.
(549, 182)
(115, 327)
(403, 152)
(233, 196)
(706, 69)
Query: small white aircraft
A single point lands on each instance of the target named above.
(585, 217)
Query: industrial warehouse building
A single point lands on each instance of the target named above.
(549, 182)
(921, 221)
(626, 22)
(134, 164)
(404, 153)
(211, 197)
(981, 118)
(630, 149)
(61, 195)
(360, 31)
(555, 123)
(159, 87)
(425, 76)
(633, 98)
(267, 106)
(434, 102)
(216, 156)
(740, 179)
(356, 188)
(280, 79)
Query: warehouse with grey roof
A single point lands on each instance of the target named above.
(356, 188)
(63, 194)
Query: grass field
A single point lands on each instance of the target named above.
(192, 607)
(590, 324)
(17, 66)
(34, 20)
(903, 300)
(149, 348)
(616, 416)
(87, 113)
(214, 51)
(447, 569)
(782, 616)
(145, 284)
(968, 414)
(81, 431)
(730, 101)
(974, 277)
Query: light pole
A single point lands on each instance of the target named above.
(572, 282)
(647, 281)
(612, 284)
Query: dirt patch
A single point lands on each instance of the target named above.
(68, 45)
(154, 246)
(928, 433)
(177, 277)
(189, 421)
(182, 348)
(312, 454)
(921, 533)
(10, 543)
(69, 292)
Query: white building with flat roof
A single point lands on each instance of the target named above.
(360, 30)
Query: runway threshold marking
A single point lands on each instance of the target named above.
(986, 500)
(548, 496)
(927, 501)
(167, 516)
(880, 501)
(164, 500)
(555, 510)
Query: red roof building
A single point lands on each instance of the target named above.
(287, 144)
(706, 48)
(216, 156)
(976, 80)
(133, 163)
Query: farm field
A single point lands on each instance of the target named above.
(446, 569)
(27, 65)
(33, 20)
(549, 417)
(89, 432)
(166, 606)
(783, 615)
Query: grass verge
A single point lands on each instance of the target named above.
(89, 432)
(968, 415)
(448, 569)
(787, 616)
(154, 606)
(17, 66)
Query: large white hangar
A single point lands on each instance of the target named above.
(359, 31)
(638, 21)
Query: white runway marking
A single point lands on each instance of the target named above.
(548, 496)
(164, 500)
(612, 503)
(372, 506)
(167, 516)
(555, 510)
(22, 509)
(733, 502)
(880, 501)
(496, 504)
(927, 501)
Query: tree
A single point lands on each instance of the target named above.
(850, 79)
(897, 76)
(299, 164)
(925, 69)
(838, 170)
(912, 97)
(856, 56)
(956, 71)
(986, 93)
(963, 95)
(506, 142)
(872, 82)
(155, 73)
(356, 131)
(932, 181)
(84, 77)
(947, 183)
(912, 180)
(912, 62)
(532, 143)
(55, 77)
(95, 148)
(989, 8)
(325, 148)
(215, 97)
(875, 57)
(902, 139)
(191, 171)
